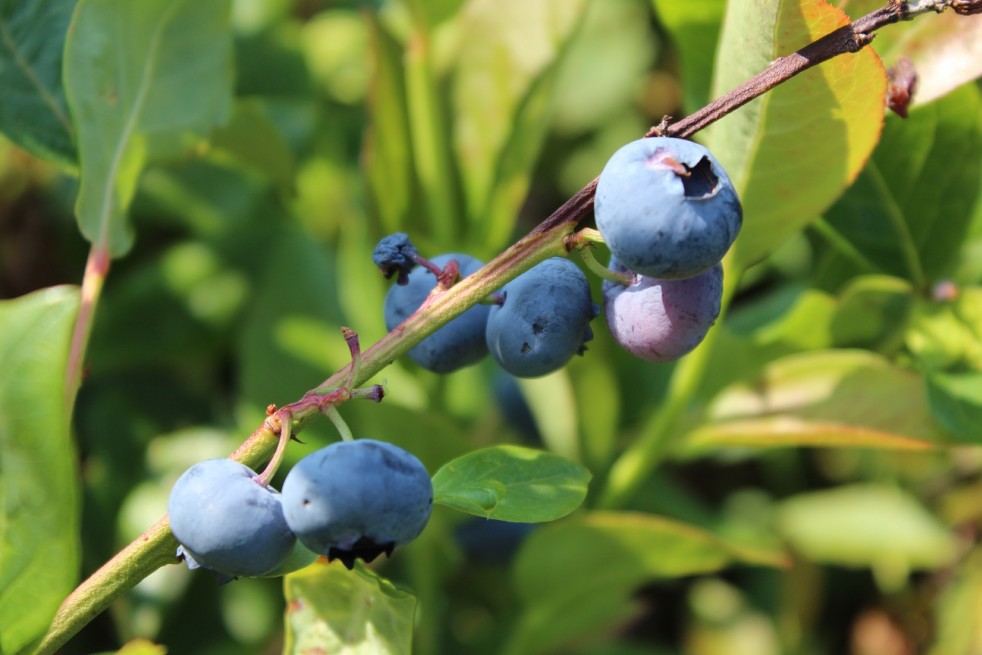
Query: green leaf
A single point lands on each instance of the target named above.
(694, 28)
(33, 112)
(873, 312)
(867, 525)
(911, 208)
(39, 549)
(576, 576)
(794, 150)
(511, 483)
(948, 335)
(828, 398)
(956, 402)
(333, 610)
(145, 80)
(501, 94)
(388, 147)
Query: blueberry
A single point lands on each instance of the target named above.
(662, 320)
(357, 499)
(395, 255)
(543, 321)
(666, 208)
(226, 521)
(457, 344)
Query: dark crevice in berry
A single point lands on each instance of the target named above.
(701, 180)
(365, 548)
(538, 327)
(526, 347)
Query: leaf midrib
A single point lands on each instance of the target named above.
(131, 121)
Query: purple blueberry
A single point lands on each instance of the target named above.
(226, 521)
(666, 208)
(457, 344)
(543, 321)
(662, 320)
(357, 499)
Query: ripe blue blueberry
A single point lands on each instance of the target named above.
(666, 208)
(457, 344)
(357, 499)
(662, 320)
(543, 321)
(226, 521)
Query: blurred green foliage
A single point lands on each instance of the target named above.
(820, 491)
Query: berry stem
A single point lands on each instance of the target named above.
(286, 431)
(586, 254)
(354, 347)
(331, 412)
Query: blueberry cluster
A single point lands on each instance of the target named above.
(536, 323)
(350, 500)
(668, 212)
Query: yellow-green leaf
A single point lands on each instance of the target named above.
(794, 150)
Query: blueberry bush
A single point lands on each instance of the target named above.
(601, 327)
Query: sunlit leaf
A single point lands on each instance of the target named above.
(866, 525)
(333, 610)
(33, 112)
(948, 335)
(145, 81)
(792, 152)
(511, 483)
(39, 496)
(833, 398)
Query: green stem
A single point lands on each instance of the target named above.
(156, 547)
(655, 440)
(152, 550)
(332, 413)
(601, 271)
